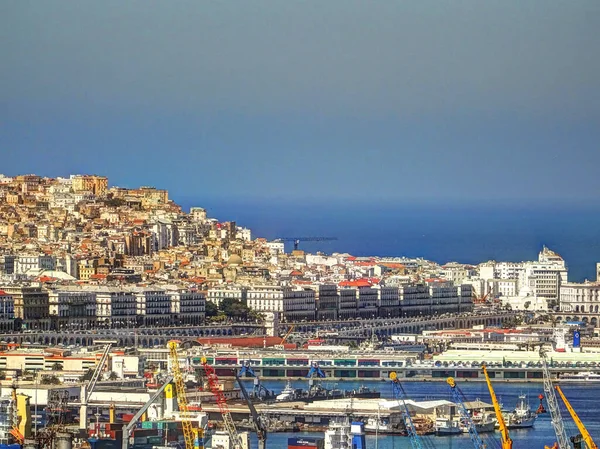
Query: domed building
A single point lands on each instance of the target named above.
(233, 268)
(234, 260)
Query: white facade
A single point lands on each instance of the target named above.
(244, 234)
(265, 298)
(26, 262)
(217, 295)
(276, 248)
(544, 278)
(526, 301)
(581, 300)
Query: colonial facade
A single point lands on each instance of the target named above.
(580, 302)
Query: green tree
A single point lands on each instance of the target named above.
(2, 374)
(234, 308)
(88, 375)
(50, 380)
(527, 305)
(57, 367)
(113, 376)
(211, 309)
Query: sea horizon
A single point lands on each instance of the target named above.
(443, 232)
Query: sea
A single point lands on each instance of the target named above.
(583, 397)
(441, 232)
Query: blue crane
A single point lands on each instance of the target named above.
(464, 413)
(315, 370)
(259, 390)
(400, 394)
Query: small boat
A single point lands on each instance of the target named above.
(484, 422)
(447, 426)
(363, 392)
(521, 417)
(288, 393)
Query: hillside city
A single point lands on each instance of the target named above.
(76, 252)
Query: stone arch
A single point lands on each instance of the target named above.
(594, 321)
(156, 342)
(46, 340)
(71, 341)
(144, 342)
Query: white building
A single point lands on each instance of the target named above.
(526, 301)
(265, 298)
(581, 301)
(545, 279)
(276, 247)
(34, 262)
(217, 294)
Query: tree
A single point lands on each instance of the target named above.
(88, 375)
(527, 304)
(211, 309)
(233, 308)
(2, 374)
(113, 376)
(50, 380)
(57, 367)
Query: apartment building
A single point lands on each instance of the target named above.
(299, 304)
(581, 301)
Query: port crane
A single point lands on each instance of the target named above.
(456, 394)
(259, 427)
(587, 438)
(213, 383)
(557, 422)
(87, 390)
(400, 394)
(297, 240)
(131, 425)
(506, 441)
(259, 389)
(186, 424)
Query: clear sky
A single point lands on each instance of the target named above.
(336, 99)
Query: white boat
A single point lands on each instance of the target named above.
(287, 394)
(522, 416)
(447, 426)
(484, 422)
(584, 376)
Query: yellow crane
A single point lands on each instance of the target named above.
(186, 424)
(587, 438)
(506, 441)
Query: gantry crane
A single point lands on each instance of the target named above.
(506, 441)
(259, 427)
(259, 389)
(213, 383)
(557, 422)
(186, 424)
(400, 394)
(456, 394)
(88, 389)
(587, 438)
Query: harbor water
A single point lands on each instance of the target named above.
(584, 398)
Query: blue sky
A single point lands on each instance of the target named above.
(335, 100)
